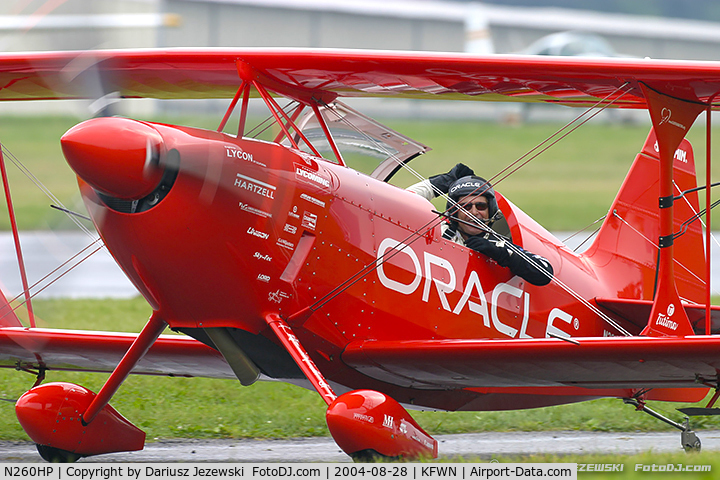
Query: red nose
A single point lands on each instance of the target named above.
(117, 156)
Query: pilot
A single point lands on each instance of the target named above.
(471, 199)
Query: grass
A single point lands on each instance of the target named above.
(167, 407)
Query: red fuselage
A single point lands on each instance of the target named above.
(243, 228)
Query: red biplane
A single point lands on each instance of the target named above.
(313, 273)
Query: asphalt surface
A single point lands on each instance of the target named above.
(479, 446)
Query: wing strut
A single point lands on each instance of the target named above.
(708, 216)
(16, 237)
(671, 119)
(231, 108)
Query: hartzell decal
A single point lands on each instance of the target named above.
(316, 178)
(312, 200)
(255, 186)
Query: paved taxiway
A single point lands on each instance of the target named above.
(469, 446)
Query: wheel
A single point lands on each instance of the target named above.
(55, 455)
(369, 456)
(690, 441)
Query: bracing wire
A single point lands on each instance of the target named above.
(541, 148)
(36, 181)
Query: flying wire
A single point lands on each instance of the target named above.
(26, 171)
(34, 294)
(433, 223)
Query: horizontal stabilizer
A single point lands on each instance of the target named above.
(699, 411)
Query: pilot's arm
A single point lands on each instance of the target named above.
(440, 184)
(529, 266)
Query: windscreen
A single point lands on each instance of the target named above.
(364, 144)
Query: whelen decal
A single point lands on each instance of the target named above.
(256, 186)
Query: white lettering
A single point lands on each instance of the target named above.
(664, 321)
(445, 286)
(258, 234)
(442, 287)
(500, 289)
(303, 173)
(247, 208)
(233, 151)
(387, 244)
(285, 244)
(551, 329)
(479, 308)
(388, 421)
(260, 256)
(255, 186)
(312, 200)
(309, 220)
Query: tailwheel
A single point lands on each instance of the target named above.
(56, 455)
(688, 439)
(690, 442)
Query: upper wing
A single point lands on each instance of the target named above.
(594, 363)
(215, 73)
(101, 352)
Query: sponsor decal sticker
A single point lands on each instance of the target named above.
(285, 244)
(233, 151)
(257, 233)
(309, 176)
(255, 186)
(255, 211)
(312, 200)
(277, 296)
(261, 256)
(309, 221)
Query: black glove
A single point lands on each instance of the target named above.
(529, 266)
(492, 248)
(442, 182)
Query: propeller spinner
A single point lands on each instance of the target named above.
(116, 156)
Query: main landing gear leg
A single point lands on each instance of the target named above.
(689, 441)
(366, 424)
